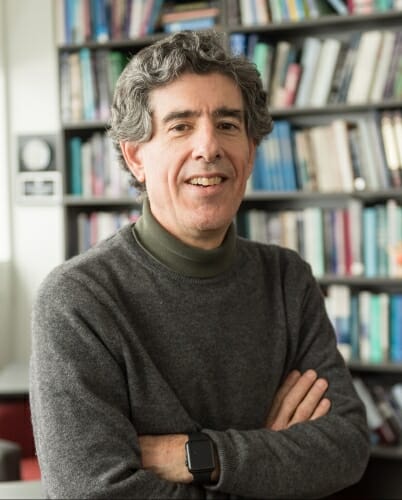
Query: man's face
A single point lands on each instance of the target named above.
(199, 158)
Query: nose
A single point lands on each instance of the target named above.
(206, 144)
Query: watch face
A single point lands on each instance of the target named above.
(200, 456)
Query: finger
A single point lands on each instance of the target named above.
(292, 400)
(310, 402)
(322, 409)
(287, 385)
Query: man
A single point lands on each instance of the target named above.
(176, 360)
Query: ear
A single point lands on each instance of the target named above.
(132, 157)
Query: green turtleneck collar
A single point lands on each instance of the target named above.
(182, 258)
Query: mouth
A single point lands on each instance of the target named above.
(206, 181)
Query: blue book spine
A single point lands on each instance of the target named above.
(396, 328)
(68, 20)
(100, 23)
(288, 169)
(76, 166)
(238, 44)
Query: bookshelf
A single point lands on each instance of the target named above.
(82, 206)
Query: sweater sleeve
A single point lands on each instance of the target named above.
(85, 439)
(311, 459)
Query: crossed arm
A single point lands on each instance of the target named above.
(300, 398)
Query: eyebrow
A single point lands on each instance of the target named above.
(222, 112)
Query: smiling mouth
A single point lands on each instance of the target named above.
(206, 181)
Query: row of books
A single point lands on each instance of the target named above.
(383, 409)
(94, 227)
(358, 153)
(83, 21)
(368, 325)
(362, 68)
(88, 79)
(178, 16)
(350, 241)
(260, 12)
(94, 170)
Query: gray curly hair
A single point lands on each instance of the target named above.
(164, 61)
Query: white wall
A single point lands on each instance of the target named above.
(5, 245)
(37, 231)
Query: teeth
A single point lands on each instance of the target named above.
(206, 181)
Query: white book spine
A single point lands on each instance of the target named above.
(325, 70)
(363, 71)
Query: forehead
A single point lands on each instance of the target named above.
(202, 93)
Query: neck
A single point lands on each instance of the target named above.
(181, 256)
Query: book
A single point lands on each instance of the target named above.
(325, 70)
(292, 78)
(287, 166)
(396, 328)
(262, 58)
(75, 166)
(313, 239)
(281, 58)
(375, 347)
(339, 309)
(339, 132)
(392, 70)
(365, 65)
(394, 238)
(338, 73)
(100, 27)
(348, 67)
(369, 164)
(391, 149)
(87, 84)
(383, 63)
(65, 88)
(370, 251)
(339, 7)
(75, 86)
(309, 59)
(355, 210)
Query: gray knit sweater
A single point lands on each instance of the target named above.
(143, 335)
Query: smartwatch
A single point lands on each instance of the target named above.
(200, 457)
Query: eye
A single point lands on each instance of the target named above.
(180, 127)
(228, 126)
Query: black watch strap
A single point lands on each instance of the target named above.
(201, 477)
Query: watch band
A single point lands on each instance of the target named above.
(201, 477)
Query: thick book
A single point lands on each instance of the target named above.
(383, 64)
(339, 128)
(325, 71)
(309, 59)
(364, 68)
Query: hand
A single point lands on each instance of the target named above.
(299, 399)
(165, 456)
